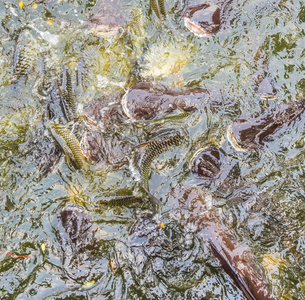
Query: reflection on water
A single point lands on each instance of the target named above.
(145, 252)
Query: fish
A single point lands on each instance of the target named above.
(249, 135)
(69, 144)
(160, 143)
(147, 101)
(25, 55)
(121, 200)
(107, 19)
(159, 8)
(80, 241)
(68, 99)
(235, 256)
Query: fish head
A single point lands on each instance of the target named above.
(202, 19)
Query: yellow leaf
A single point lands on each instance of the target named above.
(21, 4)
(162, 225)
(112, 265)
(50, 22)
(89, 284)
(43, 247)
(34, 6)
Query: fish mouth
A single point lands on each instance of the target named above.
(193, 159)
(198, 30)
(105, 30)
(267, 96)
(207, 22)
(125, 107)
(233, 141)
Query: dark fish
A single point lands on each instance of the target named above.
(121, 200)
(55, 111)
(68, 142)
(25, 55)
(207, 163)
(161, 143)
(158, 7)
(79, 239)
(238, 279)
(249, 134)
(146, 101)
(235, 256)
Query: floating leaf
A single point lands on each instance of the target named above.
(112, 265)
(16, 256)
(50, 22)
(43, 247)
(89, 284)
(21, 4)
(34, 6)
(162, 225)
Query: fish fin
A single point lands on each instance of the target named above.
(68, 160)
(182, 110)
(152, 198)
(142, 145)
(173, 116)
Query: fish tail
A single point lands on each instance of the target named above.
(162, 8)
(155, 8)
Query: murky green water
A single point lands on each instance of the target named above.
(266, 210)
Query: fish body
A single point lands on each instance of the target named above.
(25, 54)
(122, 201)
(161, 143)
(69, 143)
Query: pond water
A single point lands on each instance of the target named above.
(264, 207)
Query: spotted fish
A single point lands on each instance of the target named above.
(121, 200)
(159, 8)
(161, 143)
(25, 55)
(69, 143)
(68, 99)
